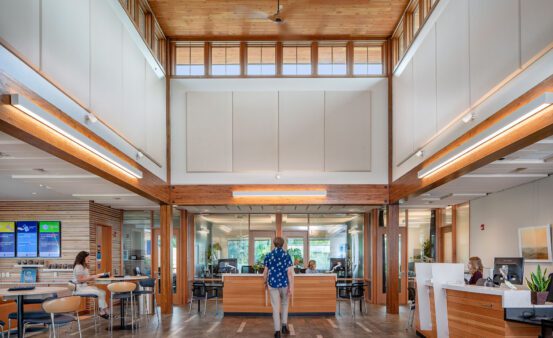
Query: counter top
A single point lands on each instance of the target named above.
(301, 275)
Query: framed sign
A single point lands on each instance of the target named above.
(535, 243)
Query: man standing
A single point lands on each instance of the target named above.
(279, 278)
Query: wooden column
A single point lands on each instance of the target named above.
(278, 221)
(392, 282)
(454, 234)
(367, 245)
(374, 256)
(439, 245)
(183, 259)
(166, 231)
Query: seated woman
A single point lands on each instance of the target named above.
(311, 267)
(476, 269)
(81, 276)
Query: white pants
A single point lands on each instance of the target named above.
(279, 302)
(102, 303)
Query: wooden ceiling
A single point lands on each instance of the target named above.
(247, 19)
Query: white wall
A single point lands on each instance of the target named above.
(471, 56)
(84, 47)
(503, 213)
(308, 131)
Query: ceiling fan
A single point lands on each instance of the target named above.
(248, 13)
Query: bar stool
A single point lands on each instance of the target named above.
(60, 311)
(150, 285)
(122, 291)
(71, 286)
(2, 327)
(30, 314)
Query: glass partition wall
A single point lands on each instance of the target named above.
(239, 242)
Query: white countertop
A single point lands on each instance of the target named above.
(295, 275)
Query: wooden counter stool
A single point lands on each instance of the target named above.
(123, 291)
(61, 312)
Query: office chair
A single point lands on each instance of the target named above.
(546, 328)
(246, 269)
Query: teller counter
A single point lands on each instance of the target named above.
(314, 294)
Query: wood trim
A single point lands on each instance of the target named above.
(278, 58)
(367, 248)
(439, 214)
(454, 234)
(166, 228)
(392, 280)
(521, 136)
(374, 256)
(360, 194)
(314, 58)
(29, 130)
(278, 220)
(243, 58)
(283, 38)
(182, 269)
(207, 58)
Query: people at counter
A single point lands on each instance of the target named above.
(81, 276)
(311, 267)
(279, 278)
(476, 268)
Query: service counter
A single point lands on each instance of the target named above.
(314, 294)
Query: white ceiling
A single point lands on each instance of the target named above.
(524, 166)
(27, 173)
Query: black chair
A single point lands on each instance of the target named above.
(149, 288)
(2, 327)
(30, 314)
(60, 312)
(246, 269)
(200, 292)
(546, 328)
(72, 286)
(354, 292)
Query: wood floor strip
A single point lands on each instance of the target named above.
(191, 318)
(242, 326)
(213, 327)
(291, 328)
(363, 327)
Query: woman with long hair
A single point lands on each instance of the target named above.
(81, 277)
(311, 267)
(476, 269)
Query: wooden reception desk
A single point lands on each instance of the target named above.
(313, 294)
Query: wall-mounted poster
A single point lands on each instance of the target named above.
(27, 239)
(49, 239)
(535, 243)
(7, 239)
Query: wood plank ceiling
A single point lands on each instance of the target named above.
(247, 19)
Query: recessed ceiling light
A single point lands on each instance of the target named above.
(468, 117)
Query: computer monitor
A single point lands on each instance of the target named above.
(513, 268)
(228, 265)
(337, 264)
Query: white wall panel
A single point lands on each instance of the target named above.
(494, 43)
(134, 91)
(106, 65)
(452, 62)
(403, 114)
(536, 27)
(66, 46)
(424, 75)
(301, 131)
(209, 131)
(255, 131)
(347, 131)
(20, 27)
(155, 119)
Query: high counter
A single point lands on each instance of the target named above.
(313, 294)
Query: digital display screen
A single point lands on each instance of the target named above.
(27, 239)
(49, 239)
(7, 239)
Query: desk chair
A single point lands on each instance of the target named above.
(61, 312)
(355, 292)
(2, 327)
(122, 291)
(30, 314)
(199, 293)
(71, 286)
(546, 328)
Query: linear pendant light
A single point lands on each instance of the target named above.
(26, 106)
(279, 193)
(525, 112)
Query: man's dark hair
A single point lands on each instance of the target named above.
(278, 242)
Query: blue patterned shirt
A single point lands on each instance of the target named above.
(278, 261)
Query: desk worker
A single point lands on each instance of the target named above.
(279, 279)
(81, 276)
(476, 268)
(311, 267)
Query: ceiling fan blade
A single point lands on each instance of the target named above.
(245, 12)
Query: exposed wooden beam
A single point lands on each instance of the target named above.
(166, 232)
(392, 262)
(360, 194)
(526, 133)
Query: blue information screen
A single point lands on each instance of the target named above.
(7, 239)
(27, 239)
(49, 239)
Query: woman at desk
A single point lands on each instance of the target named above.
(81, 276)
(476, 269)
(311, 267)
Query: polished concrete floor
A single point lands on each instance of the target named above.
(376, 323)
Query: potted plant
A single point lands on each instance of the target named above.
(538, 285)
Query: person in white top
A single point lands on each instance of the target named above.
(81, 277)
(311, 267)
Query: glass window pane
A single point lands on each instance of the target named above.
(137, 242)
(463, 235)
(295, 247)
(332, 60)
(367, 60)
(225, 60)
(419, 246)
(190, 60)
(296, 60)
(262, 246)
(261, 60)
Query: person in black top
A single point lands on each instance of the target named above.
(476, 269)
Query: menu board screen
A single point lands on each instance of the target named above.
(7, 239)
(27, 239)
(49, 239)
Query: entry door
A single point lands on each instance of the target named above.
(103, 254)
(156, 264)
(261, 243)
(298, 246)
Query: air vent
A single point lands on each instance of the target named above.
(40, 170)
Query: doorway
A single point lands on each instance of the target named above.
(104, 261)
